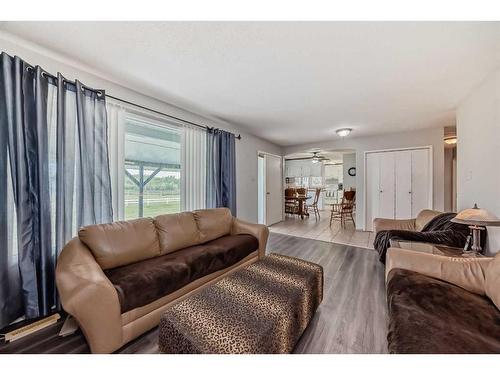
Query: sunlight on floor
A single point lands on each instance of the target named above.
(321, 230)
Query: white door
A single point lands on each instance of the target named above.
(403, 175)
(274, 196)
(398, 184)
(372, 189)
(261, 190)
(387, 185)
(421, 181)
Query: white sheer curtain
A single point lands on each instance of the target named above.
(193, 168)
(193, 159)
(116, 138)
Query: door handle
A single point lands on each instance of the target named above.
(267, 193)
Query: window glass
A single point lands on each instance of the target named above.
(152, 168)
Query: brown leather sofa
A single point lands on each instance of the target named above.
(439, 304)
(116, 279)
(415, 224)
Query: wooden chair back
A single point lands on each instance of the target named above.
(316, 195)
(348, 201)
(350, 195)
(301, 191)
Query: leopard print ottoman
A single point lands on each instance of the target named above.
(262, 308)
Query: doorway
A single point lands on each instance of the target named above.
(270, 196)
(333, 174)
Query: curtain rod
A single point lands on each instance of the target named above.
(99, 92)
(164, 114)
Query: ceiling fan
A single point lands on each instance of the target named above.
(315, 158)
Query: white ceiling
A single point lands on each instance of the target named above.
(290, 82)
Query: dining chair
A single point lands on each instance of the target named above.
(290, 201)
(314, 204)
(345, 210)
(302, 192)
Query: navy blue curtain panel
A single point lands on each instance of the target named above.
(43, 218)
(221, 170)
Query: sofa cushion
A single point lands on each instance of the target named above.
(492, 281)
(427, 315)
(176, 231)
(213, 223)
(424, 217)
(122, 242)
(141, 283)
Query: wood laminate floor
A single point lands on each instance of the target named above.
(351, 319)
(310, 227)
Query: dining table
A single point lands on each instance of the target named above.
(301, 201)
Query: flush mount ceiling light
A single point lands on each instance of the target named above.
(450, 140)
(344, 132)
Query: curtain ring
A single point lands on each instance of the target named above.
(30, 69)
(99, 93)
(44, 75)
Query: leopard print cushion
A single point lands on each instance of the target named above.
(262, 308)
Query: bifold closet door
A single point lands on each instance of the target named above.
(380, 181)
(421, 180)
(403, 176)
(398, 184)
(372, 189)
(386, 185)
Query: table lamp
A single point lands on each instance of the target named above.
(476, 218)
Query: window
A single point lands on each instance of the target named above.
(152, 180)
(157, 165)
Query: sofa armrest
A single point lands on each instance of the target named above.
(88, 295)
(467, 273)
(380, 224)
(259, 231)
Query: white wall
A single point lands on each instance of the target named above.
(246, 148)
(425, 137)
(478, 148)
(349, 161)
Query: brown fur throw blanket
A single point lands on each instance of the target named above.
(440, 230)
(427, 315)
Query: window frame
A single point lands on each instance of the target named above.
(146, 119)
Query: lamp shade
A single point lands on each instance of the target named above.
(476, 216)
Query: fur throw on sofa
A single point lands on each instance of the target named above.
(440, 230)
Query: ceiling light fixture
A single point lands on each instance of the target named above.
(450, 140)
(344, 132)
(315, 158)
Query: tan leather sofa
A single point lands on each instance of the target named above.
(415, 224)
(174, 255)
(472, 274)
(440, 304)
